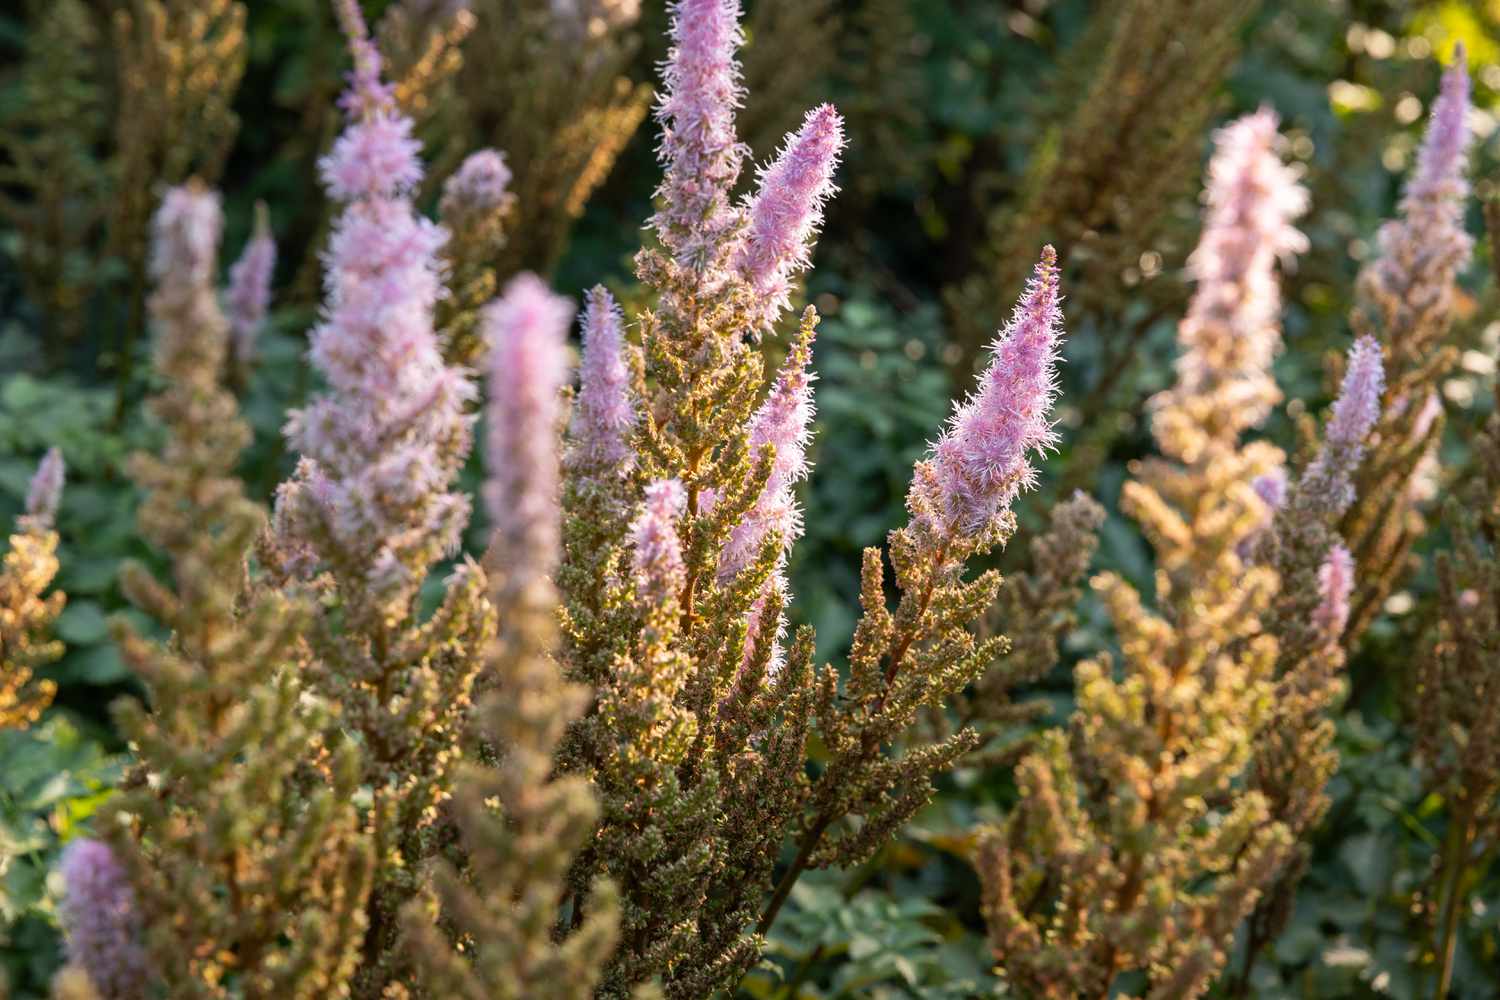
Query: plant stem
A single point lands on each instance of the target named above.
(1455, 854)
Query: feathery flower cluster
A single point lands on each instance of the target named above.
(249, 294)
(1231, 331)
(604, 416)
(479, 187)
(1331, 475)
(527, 331)
(980, 462)
(701, 156)
(787, 210)
(371, 499)
(659, 570)
(100, 921)
(1335, 583)
(45, 491)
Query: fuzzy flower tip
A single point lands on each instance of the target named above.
(1335, 584)
(980, 462)
(659, 568)
(603, 415)
(99, 921)
(787, 210)
(46, 488)
(185, 237)
(1441, 160)
(249, 293)
(1358, 405)
(784, 423)
(527, 332)
(1230, 334)
(700, 91)
(478, 188)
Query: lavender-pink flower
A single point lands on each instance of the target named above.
(371, 498)
(1335, 584)
(100, 922)
(249, 294)
(980, 462)
(527, 332)
(479, 187)
(1329, 481)
(699, 152)
(604, 415)
(657, 550)
(45, 491)
(787, 210)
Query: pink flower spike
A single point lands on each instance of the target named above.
(1444, 152)
(700, 91)
(249, 294)
(980, 462)
(604, 415)
(99, 921)
(1335, 584)
(185, 237)
(527, 332)
(46, 488)
(1358, 405)
(479, 187)
(659, 567)
(787, 210)
(784, 422)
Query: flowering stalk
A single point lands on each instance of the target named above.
(100, 923)
(237, 823)
(475, 208)
(1406, 300)
(519, 855)
(1127, 850)
(372, 508)
(249, 293)
(25, 614)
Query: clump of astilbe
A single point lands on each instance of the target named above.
(1034, 609)
(1407, 295)
(571, 60)
(179, 64)
(475, 206)
(100, 924)
(27, 611)
(1458, 731)
(248, 296)
(520, 826)
(1108, 171)
(237, 826)
(371, 508)
(1132, 847)
(1294, 756)
(53, 180)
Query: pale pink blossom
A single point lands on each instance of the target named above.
(527, 330)
(479, 187)
(249, 293)
(1330, 477)
(657, 550)
(1335, 584)
(604, 415)
(100, 923)
(787, 210)
(45, 491)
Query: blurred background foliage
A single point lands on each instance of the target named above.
(978, 129)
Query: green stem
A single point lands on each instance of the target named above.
(1455, 855)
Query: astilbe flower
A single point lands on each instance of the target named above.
(1406, 298)
(1335, 581)
(372, 506)
(520, 824)
(604, 416)
(249, 293)
(25, 614)
(526, 329)
(786, 211)
(239, 821)
(1127, 850)
(476, 205)
(699, 151)
(657, 551)
(100, 922)
(980, 463)
(1331, 475)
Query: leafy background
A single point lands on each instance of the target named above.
(964, 110)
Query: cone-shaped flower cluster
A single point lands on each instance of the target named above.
(604, 415)
(527, 329)
(1331, 475)
(480, 186)
(100, 922)
(249, 293)
(981, 461)
(787, 210)
(657, 551)
(45, 491)
(701, 156)
(1335, 583)
(372, 498)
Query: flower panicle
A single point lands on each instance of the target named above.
(249, 294)
(45, 491)
(100, 922)
(604, 415)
